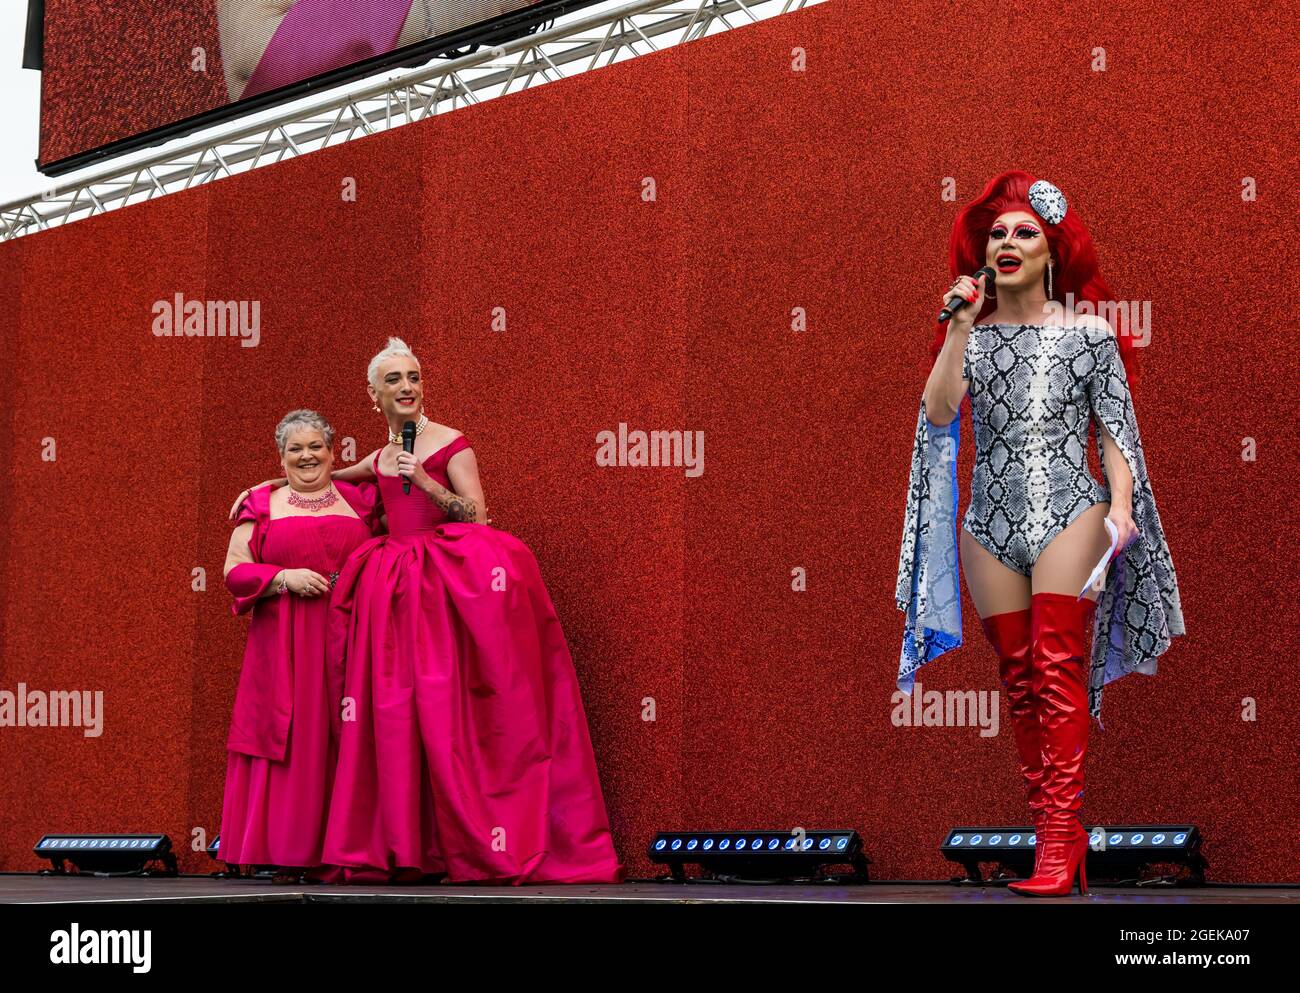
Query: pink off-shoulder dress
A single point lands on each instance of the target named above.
(469, 755)
(282, 744)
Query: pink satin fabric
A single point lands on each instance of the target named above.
(469, 754)
(281, 748)
(318, 36)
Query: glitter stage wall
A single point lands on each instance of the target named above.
(773, 190)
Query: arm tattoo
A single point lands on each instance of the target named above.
(458, 508)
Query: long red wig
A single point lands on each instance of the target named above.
(1076, 271)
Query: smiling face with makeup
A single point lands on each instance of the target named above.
(399, 392)
(1018, 251)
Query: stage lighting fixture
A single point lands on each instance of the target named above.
(108, 854)
(759, 855)
(1118, 852)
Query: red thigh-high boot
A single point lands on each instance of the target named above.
(1010, 636)
(1060, 628)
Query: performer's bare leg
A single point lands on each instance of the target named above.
(1068, 558)
(1002, 599)
(995, 588)
(1061, 625)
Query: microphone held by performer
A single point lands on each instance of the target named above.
(408, 446)
(957, 304)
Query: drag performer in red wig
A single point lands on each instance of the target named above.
(1042, 364)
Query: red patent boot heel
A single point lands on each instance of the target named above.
(1063, 855)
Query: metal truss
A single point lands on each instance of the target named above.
(570, 47)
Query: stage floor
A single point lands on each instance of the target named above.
(33, 889)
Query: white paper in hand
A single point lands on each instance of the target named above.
(1100, 570)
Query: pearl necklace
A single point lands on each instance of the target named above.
(396, 439)
(312, 503)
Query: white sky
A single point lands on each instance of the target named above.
(20, 95)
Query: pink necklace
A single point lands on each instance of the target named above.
(312, 503)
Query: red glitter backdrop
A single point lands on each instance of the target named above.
(776, 190)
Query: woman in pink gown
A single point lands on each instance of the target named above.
(287, 547)
(468, 755)
(464, 751)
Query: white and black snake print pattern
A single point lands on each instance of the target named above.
(1030, 410)
(1033, 391)
(929, 583)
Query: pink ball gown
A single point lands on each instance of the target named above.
(281, 744)
(467, 754)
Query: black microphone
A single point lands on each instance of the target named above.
(408, 445)
(959, 302)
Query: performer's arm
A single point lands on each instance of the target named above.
(465, 502)
(946, 385)
(304, 582)
(1121, 488)
(1118, 473)
(238, 553)
(357, 472)
(234, 508)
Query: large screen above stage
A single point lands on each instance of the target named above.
(119, 75)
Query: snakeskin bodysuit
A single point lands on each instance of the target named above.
(1034, 390)
(1030, 410)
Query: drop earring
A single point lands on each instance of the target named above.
(1049, 280)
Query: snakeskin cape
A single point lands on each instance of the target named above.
(1139, 611)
